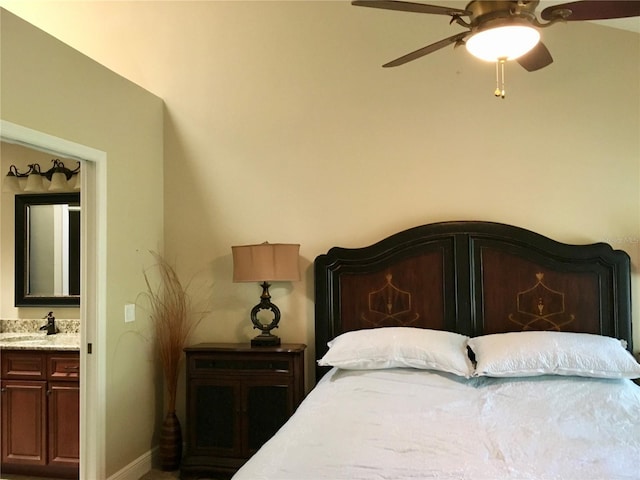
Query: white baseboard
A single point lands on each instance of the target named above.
(136, 469)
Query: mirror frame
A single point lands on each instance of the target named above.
(22, 298)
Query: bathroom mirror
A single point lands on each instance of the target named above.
(47, 250)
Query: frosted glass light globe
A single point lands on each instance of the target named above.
(508, 42)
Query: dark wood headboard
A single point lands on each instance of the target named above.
(473, 278)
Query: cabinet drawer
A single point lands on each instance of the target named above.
(23, 365)
(207, 364)
(64, 367)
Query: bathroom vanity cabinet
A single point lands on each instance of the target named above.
(40, 412)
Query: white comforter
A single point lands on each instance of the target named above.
(410, 424)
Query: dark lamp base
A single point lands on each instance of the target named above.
(263, 340)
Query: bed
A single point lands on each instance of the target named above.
(466, 350)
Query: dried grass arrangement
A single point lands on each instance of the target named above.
(173, 319)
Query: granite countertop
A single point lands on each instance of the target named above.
(39, 341)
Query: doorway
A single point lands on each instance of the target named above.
(93, 280)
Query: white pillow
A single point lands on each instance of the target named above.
(392, 347)
(523, 354)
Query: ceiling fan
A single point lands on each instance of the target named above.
(502, 30)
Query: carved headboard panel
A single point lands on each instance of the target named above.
(409, 292)
(473, 278)
(519, 294)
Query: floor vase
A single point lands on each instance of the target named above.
(170, 442)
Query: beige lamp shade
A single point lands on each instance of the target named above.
(266, 262)
(11, 183)
(58, 182)
(34, 183)
(78, 181)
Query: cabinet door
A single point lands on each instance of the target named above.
(214, 417)
(267, 408)
(24, 422)
(64, 423)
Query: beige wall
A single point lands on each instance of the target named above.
(51, 88)
(282, 126)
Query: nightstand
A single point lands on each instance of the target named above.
(238, 397)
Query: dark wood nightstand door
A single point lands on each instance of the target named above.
(267, 407)
(215, 424)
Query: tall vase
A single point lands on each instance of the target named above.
(170, 442)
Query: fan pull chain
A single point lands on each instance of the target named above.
(500, 78)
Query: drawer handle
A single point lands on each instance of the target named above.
(72, 368)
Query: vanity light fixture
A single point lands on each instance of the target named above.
(59, 177)
(266, 262)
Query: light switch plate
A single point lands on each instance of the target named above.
(129, 312)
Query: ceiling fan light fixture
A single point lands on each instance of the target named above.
(503, 43)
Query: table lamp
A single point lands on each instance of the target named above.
(266, 262)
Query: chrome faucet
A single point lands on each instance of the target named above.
(50, 327)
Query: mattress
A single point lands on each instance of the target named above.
(417, 424)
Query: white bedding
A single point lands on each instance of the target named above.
(409, 424)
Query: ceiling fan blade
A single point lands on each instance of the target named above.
(594, 10)
(536, 58)
(421, 52)
(410, 7)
